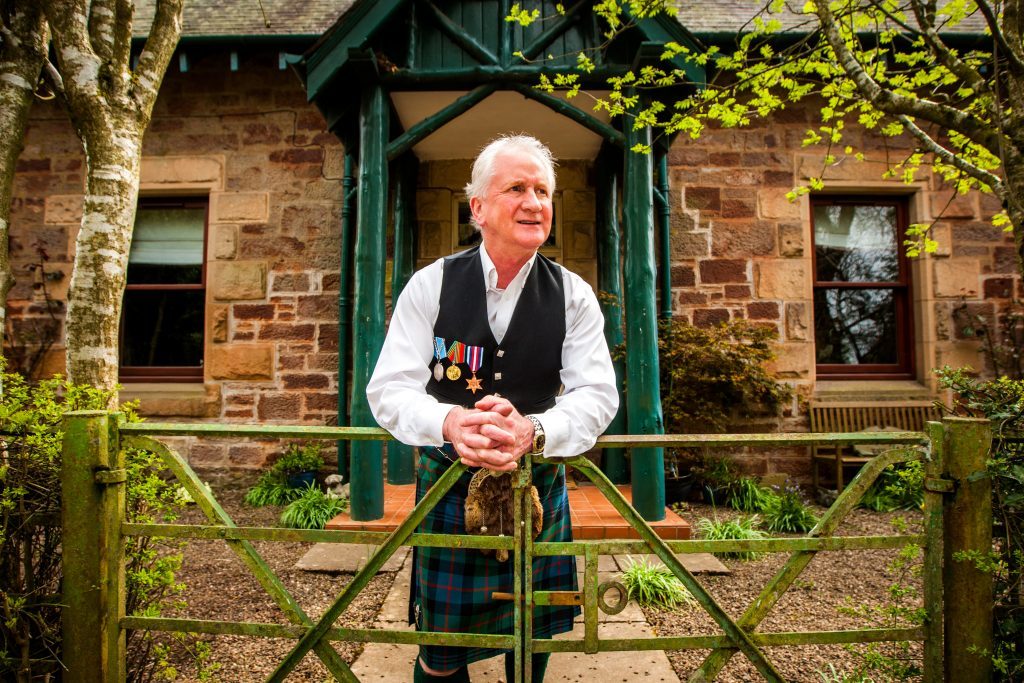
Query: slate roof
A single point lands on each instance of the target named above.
(211, 18)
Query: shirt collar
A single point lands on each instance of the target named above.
(491, 272)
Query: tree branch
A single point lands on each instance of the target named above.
(102, 24)
(955, 160)
(121, 53)
(1013, 54)
(75, 57)
(156, 54)
(942, 52)
(894, 104)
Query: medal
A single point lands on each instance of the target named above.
(475, 357)
(439, 354)
(456, 354)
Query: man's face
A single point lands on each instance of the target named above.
(515, 214)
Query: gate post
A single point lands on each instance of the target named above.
(92, 556)
(967, 528)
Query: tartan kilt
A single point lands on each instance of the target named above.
(451, 588)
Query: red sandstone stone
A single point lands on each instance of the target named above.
(305, 381)
(763, 310)
(723, 270)
(279, 406)
(998, 288)
(683, 276)
(253, 311)
(302, 332)
(709, 317)
(737, 292)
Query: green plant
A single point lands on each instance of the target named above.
(739, 529)
(718, 472)
(271, 489)
(654, 585)
(896, 660)
(30, 572)
(787, 513)
(299, 458)
(712, 374)
(749, 496)
(835, 676)
(898, 487)
(312, 510)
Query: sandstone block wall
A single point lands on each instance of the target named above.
(250, 143)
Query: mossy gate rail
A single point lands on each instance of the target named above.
(94, 619)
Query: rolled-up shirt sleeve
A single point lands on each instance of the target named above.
(589, 398)
(396, 390)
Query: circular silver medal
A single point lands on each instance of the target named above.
(438, 372)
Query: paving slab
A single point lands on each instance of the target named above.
(697, 563)
(346, 557)
(386, 663)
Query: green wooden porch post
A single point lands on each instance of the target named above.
(609, 277)
(92, 482)
(345, 307)
(367, 462)
(643, 395)
(400, 456)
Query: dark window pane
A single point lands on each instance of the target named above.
(855, 326)
(163, 328)
(162, 274)
(856, 243)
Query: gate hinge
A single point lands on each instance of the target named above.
(939, 485)
(108, 477)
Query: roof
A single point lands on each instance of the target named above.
(245, 18)
(242, 18)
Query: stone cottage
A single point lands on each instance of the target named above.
(303, 160)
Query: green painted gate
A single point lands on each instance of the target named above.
(956, 495)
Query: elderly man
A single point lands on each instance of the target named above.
(493, 353)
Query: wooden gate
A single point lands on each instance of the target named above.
(956, 490)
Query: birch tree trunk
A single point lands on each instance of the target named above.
(24, 39)
(110, 106)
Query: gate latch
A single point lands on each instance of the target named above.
(939, 485)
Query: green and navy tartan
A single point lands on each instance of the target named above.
(451, 588)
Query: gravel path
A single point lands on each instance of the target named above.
(832, 579)
(219, 587)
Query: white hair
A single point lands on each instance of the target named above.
(484, 166)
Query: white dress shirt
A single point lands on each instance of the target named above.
(397, 389)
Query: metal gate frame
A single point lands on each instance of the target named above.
(93, 479)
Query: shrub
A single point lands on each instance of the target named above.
(312, 510)
(30, 571)
(654, 585)
(719, 474)
(898, 487)
(786, 512)
(299, 458)
(749, 496)
(712, 374)
(739, 529)
(271, 489)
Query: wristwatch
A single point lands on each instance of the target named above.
(538, 436)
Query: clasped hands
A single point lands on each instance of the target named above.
(492, 434)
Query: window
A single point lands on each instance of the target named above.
(163, 316)
(465, 236)
(862, 298)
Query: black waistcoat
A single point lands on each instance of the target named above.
(525, 367)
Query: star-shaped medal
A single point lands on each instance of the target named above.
(473, 384)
